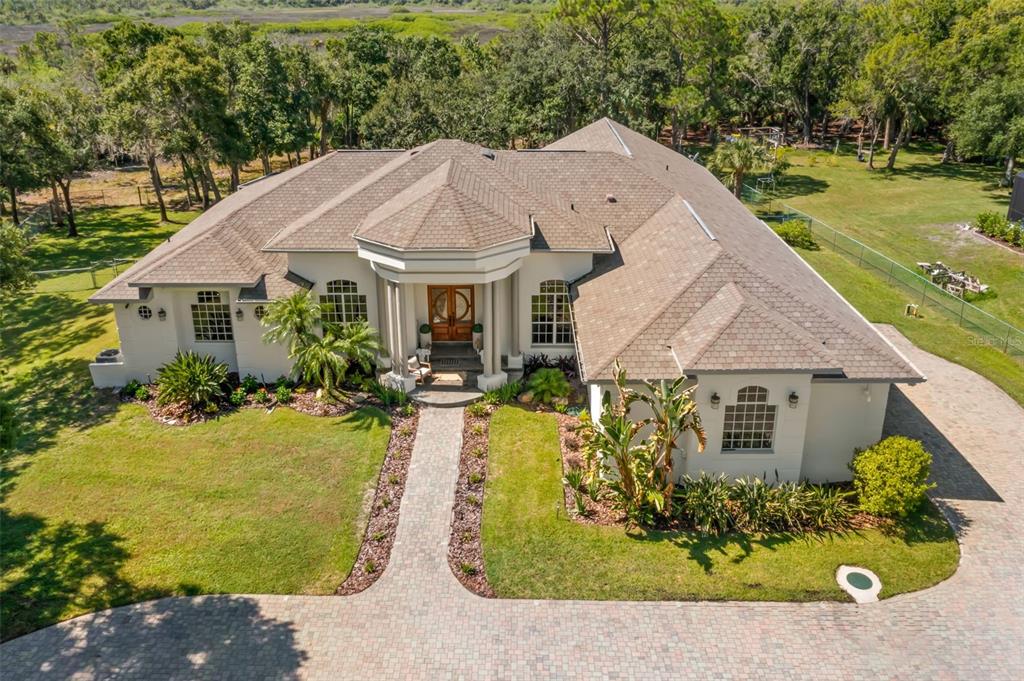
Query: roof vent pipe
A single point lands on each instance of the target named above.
(610, 199)
(487, 153)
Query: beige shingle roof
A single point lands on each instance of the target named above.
(697, 283)
(453, 182)
(769, 309)
(224, 243)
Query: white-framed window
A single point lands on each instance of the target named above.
(750, 423)
(145, 312)
(259, 312)
(211, 318)
(343, 303)
(549, 314)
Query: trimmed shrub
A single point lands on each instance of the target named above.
(797, 234)
(196, 380)
(283, 394)
(548, 384)
(142, 393)
(237, 397)
(890, 478)
(249, 384)
(261, 396)
(130, 388)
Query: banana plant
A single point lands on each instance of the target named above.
(673, 413)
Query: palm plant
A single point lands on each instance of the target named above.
(358, 343)
(737, 159)
(292, 321)
(325, 361)
(673, 413)
(321, 362)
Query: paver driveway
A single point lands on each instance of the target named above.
(418, 622)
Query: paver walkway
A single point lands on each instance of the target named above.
(418, 622)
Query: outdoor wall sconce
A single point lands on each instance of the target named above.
(794, 399)
(715, 400)
(239, 314)
(161, 314)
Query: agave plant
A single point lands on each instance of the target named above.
(196, 380)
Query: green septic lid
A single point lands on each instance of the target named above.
(859, 580)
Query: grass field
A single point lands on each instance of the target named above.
(103, 506)
(532, 550)
(911, 213)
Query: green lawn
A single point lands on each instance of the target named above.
(103, 506)
(910, 214)
(531, 550)
(881, 302)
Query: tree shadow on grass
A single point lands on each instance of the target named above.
(49, 568)
(105, 233)
(704, 548)
(48, 399)
(792, 185)
(364, 419)
(48, 324)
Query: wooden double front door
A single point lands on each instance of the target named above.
(451, 312)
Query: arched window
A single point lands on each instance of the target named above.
(343, 303)
(549, 314)
(211, 318)
(750, 423)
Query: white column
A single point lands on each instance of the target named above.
(403, 366)
(399, 376)
(493, 376)
(383, 329)
(515, 360)
(488, 327)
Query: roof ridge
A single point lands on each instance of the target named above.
(718, 334)
(742, 263)
(660, 310)
(204, 231)
(348, 192)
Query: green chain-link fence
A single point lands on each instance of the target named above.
(987, 328)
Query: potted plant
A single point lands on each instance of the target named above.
(425, 337)
(478, 336)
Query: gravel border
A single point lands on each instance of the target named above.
(465, 550)
(382, 524)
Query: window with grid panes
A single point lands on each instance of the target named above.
(549, 314)
(750, 423)
(211, 318)
(343, 303)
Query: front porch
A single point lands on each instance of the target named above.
(473, 338)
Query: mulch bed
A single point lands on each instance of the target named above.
(307, 403)
(382, 525)
(303, 401)
(598, 512)
(465, 552)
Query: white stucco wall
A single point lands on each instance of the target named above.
(785, 457)
(538, 267)
(265, 361)
(841, 419)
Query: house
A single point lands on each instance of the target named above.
(603, 245)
